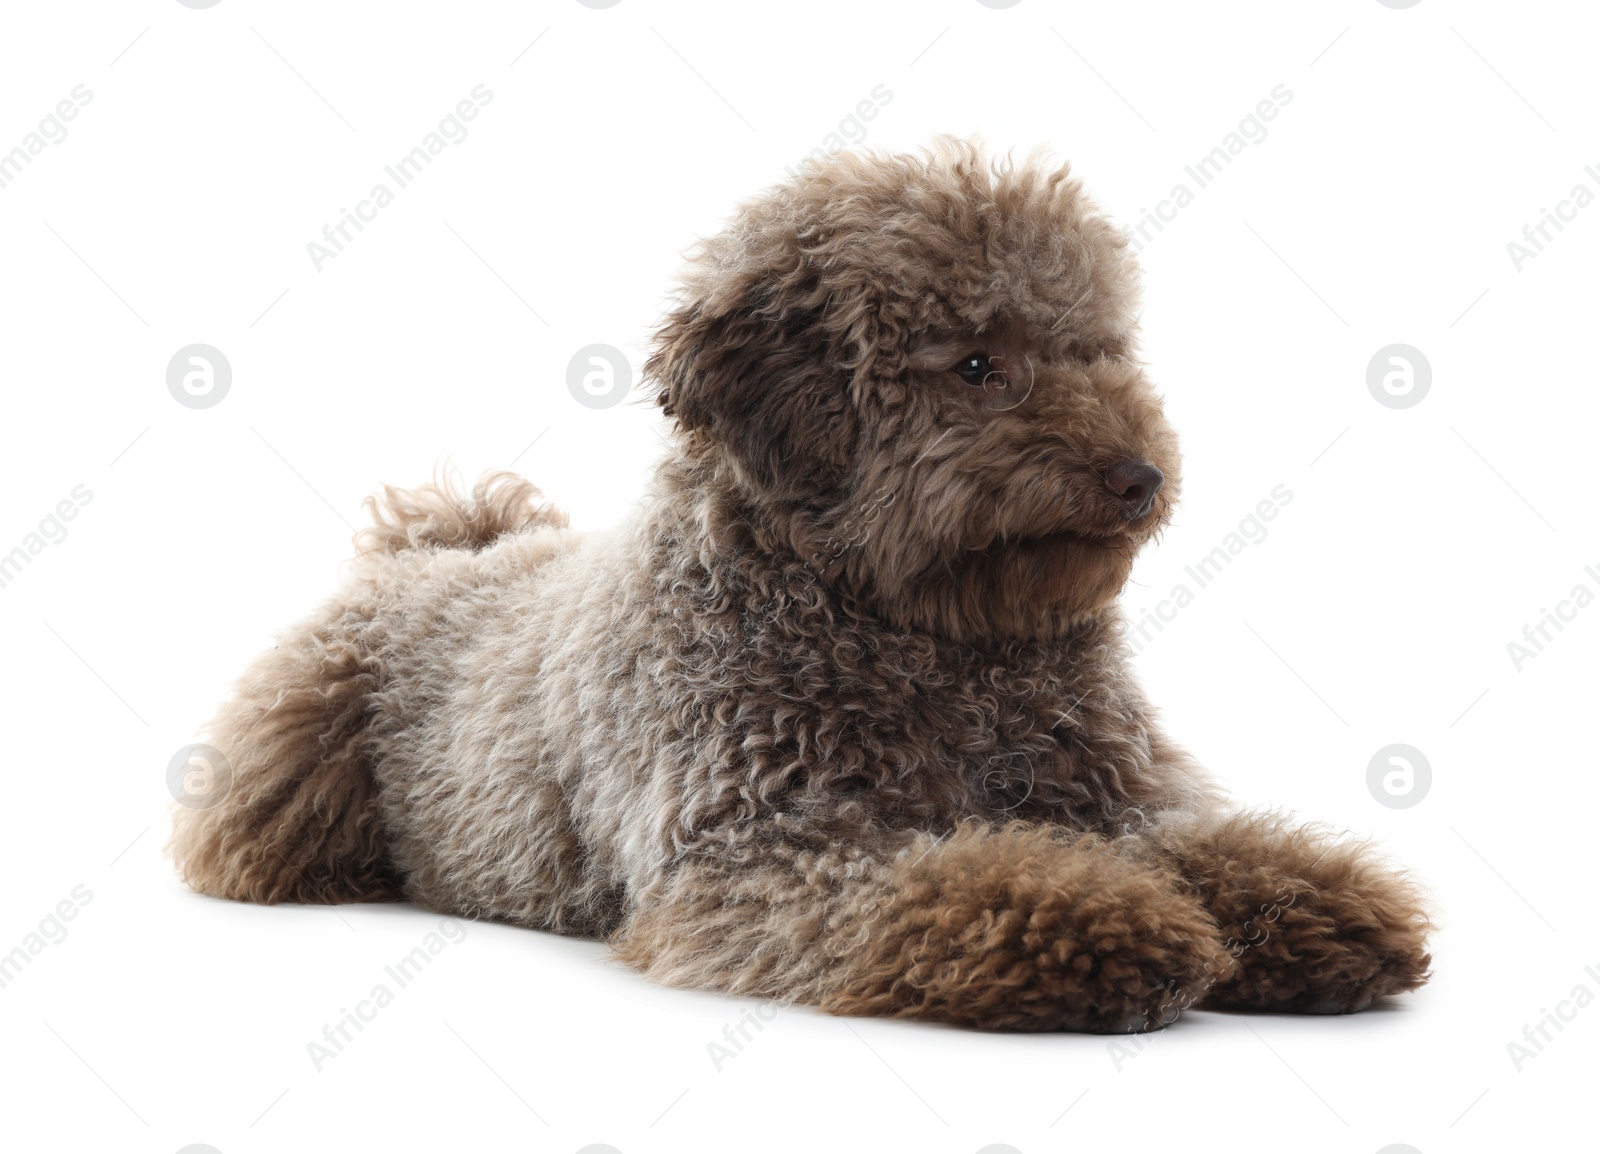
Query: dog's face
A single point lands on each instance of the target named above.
(916, 373)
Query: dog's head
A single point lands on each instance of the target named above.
(918, 373)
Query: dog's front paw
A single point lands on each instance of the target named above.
(1015, 930)
(1132, 962)
(1336, 950)
(1329, 952)
(1317, 926)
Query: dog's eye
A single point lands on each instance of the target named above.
(974, 369)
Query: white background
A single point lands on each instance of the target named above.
(1378, 608)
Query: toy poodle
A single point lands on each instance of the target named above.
(844, 715)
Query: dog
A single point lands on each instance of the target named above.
(844, 716)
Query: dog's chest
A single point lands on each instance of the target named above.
(903, 729)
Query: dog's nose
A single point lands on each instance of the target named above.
(1136, 483)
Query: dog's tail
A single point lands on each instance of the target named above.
(436, 516)
(282, 805)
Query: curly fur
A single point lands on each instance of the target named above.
(842, 717)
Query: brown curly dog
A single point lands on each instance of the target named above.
(843, 717)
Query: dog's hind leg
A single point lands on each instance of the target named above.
(1013, 928)
(297, 819)
(300, 820)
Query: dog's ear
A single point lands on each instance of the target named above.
(751, 369)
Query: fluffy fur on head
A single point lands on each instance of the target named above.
(812, 366)
(843, 716)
